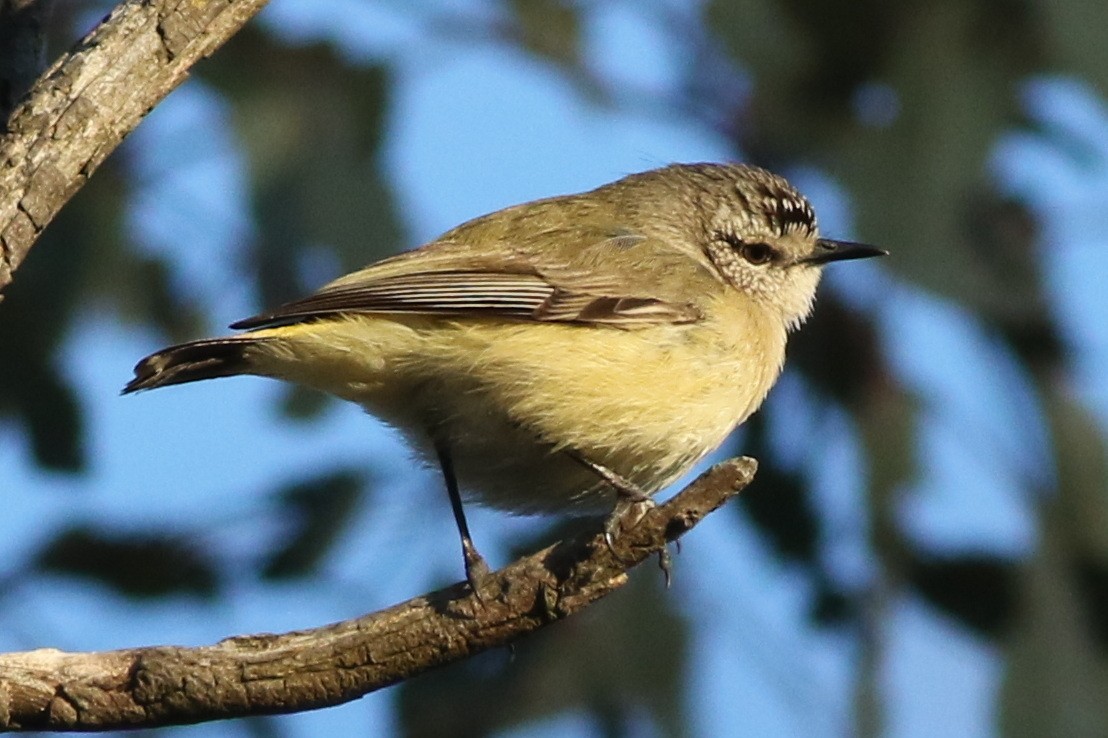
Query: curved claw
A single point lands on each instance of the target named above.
(626, 515)
(665, 563)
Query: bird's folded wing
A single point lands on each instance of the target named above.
(462, 293)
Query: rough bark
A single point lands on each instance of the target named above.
(79, 110)
(48, 689)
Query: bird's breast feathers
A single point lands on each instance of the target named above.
(647, 403)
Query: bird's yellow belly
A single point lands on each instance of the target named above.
(509, 398)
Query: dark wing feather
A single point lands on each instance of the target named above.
(477, 293)
(455, 292)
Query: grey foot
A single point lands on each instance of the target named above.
(631, 505)
(626, 515)
(628, 512)
(477, 571)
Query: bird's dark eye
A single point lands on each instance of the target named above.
(757, 253)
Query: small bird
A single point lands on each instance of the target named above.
(571, 354)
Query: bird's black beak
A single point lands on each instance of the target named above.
(828, 250)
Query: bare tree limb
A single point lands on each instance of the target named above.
(81, 108)
(49, 689)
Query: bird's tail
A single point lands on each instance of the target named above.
(193, 361)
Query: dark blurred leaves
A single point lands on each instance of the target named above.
(53, 420)
(1082, 506)
(838, 351)
(943, 75)
(1092, 578)
(55, 287)
(1056, 678)
(832, 606)
(1081, 458)
(139, 565)
(82, 265)
(1075, 38)
(149, 295)
(779, 501)
(549, 28)
(319, 511)
(839, 354)
(1005, 242)
(901, 102)
(977, 590)
(831, 49)
(311, 125)
(32, 389)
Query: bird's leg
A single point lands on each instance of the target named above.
(476, 568)
(625, 489)
(631, 502)
(631, 505)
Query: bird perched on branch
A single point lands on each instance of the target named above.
(577, 353)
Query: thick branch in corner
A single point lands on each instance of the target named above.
(292, 672)
(80, 109)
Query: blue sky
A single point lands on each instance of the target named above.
(473, 128)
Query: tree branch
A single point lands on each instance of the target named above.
(49, 689)
(81, 108)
